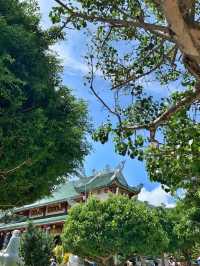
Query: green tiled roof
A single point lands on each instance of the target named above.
(105, 179)
(69, 191)
(81, 182)
(61, 193)
(43, 221)
(72, 189)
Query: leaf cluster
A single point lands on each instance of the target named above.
(36, 247)
(118, 225)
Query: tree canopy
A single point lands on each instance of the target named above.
(42, 125)
(182, 231)
(98, 230)
(36, 246)
(136, 44)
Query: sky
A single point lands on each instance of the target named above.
(71, 53)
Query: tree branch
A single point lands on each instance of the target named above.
(99, 98)
(186, 35)
(5, 173)
(162, 31)
(107, 37)
(134, 77)
(186, 101)
(164, 117)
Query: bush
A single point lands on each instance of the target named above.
(36, 247)
(98, 229)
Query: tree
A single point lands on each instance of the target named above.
(36, 247)
(187, 232)
(168, 219)
(134, 43)
(42, 125)
(183, 233)
(98, 230)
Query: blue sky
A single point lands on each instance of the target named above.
(71, 53)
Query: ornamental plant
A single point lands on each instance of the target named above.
(36, 247)
(99, 230)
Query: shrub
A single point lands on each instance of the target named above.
(36, 247)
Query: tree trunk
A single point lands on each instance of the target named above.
(187, 256)
(143, 263)
(109, 261)
(188, 261)
(164, 259)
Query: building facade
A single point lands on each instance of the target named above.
(50, 213)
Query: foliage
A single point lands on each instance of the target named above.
(182, 232)
(137, 45)
(168, 218)
(177, 162)
(36, 247)
(191, 202)
(98, 229)
(42, 125)
(188, 237)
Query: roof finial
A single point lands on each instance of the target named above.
(80, 173)
(107, 168)
(94, 172)
(120, 166)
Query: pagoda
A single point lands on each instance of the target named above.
(50, 213)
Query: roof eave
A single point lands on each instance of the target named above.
(129, 188)
(24, 208)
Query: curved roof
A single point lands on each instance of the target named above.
(72, 189)
(42, 221)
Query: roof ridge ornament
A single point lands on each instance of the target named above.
(120, 166)
(94, 177)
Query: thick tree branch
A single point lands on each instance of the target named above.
(162, 31)
(185, 102)
(192, 66)
(186, 5)
(180, 30)
(164, 117)
(185, 34)
(137, 77)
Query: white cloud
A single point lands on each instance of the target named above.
(156, 197)
(64, 50)
(45, 8)
(70, 63)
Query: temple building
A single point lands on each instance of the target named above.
(50, 213)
